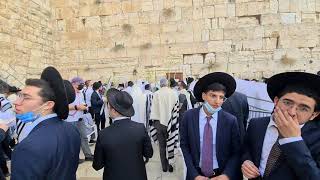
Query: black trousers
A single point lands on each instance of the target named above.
(162, 136)
(100, 119)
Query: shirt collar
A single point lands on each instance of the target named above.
(203, 115)
(120, 118)
(42, 118)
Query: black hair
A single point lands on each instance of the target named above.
(302, 89)
(4, 87)
(216, 87)
(130, 83)
(121, 85)
(172, 82)
(183, 84)
(189, 80)
(147, 87)
(46, 92)
(318, 73)
(96, 85)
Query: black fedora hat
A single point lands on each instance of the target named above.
(121, 101)
(280, 81)
(216, 77)
(53, 77)
(70, 92)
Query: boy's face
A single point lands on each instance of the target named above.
(297, 105)
(214, 98)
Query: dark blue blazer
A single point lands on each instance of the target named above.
(299, 161)
(96, 102)
(227, 144)
(49, 152)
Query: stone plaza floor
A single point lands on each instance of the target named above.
(154, 170)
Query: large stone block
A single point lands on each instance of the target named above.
(221, 10)
(216, 34)
(193, 59)
(219, 46)
(284, 6)
(183, 3)
(208, 11)
(288, 18)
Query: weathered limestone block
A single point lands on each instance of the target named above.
(254, 44)
(197, 13)
(267, 19)
(241, 9)
(288, 18)
(220, 10)
(183, 3)
(284, 6)
(241, 56)
(208, 11)
(193, 59)
(216, 34)
(219, 46)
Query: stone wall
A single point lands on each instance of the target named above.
(132, 39)
(26, 39)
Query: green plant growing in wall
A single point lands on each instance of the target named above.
(285, 60)
(98, 1)
(117, 47)
(127, 28)
(146, 46)
(167, 13)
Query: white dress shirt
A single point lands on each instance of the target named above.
(75, 115)
(88, 92)
(213, 123)
(269, 139)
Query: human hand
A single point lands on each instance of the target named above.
(4, 127)
(221, 177)
(201, 178)
(249, 170)
(82, 107)
(287, 125)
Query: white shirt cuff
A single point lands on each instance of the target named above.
(289, 140)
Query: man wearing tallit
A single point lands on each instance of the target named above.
(164, 113)
(139, 105)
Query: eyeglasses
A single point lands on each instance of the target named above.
(23, 97)
(302, 109)
(216, 97)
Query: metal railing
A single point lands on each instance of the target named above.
(255, 112)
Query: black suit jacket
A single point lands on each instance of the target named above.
(120, 150)
(96, 102)
(237, 105)
(299, 161)
(227, 144)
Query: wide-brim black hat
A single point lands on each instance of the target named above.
(280, 81)
(121, 101)
(53, 77)
(216, 77)
(70, 92)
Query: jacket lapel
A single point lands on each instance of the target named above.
(195, 120)
(219, 135)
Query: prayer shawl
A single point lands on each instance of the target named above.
(149, 98)
(173, 133)
(139, 105)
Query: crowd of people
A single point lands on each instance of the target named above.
(44, 125)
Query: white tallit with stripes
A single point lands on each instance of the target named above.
(173, 133)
